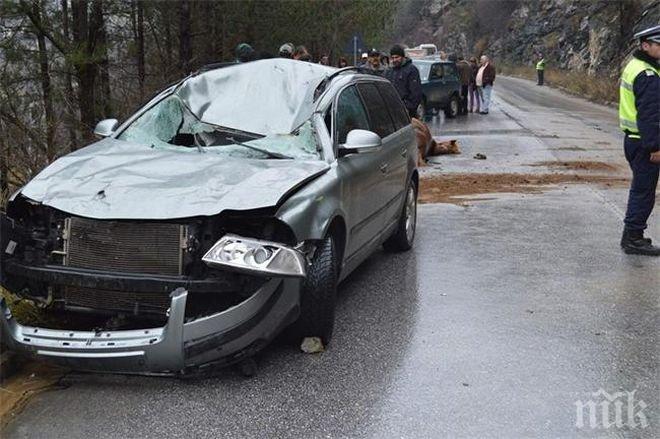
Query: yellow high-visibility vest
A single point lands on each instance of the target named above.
(627, 106)
(540, 65)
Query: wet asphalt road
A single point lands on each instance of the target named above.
(506, 313)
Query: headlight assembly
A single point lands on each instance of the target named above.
(255, 256)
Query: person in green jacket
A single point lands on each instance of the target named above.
(540, 68)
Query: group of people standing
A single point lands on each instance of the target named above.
(477, 80)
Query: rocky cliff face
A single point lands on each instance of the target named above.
(584, 35)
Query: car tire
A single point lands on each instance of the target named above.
(404, 235)
(318, 296)
(452, 108)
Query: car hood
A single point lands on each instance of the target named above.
(113, 179)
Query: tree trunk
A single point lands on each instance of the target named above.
(85, 33)
(46, 91)
(223, 46)
(68, 81)
(104, 66)
(167, 21)
(185, 37)
(139, 36)
(211, 46)
(4, 168)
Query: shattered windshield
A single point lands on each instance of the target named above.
(171, 125)
(259, 109)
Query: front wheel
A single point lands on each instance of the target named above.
(452, 109)
(318, 296)
(404, 235)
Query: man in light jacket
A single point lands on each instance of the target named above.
(485, 80)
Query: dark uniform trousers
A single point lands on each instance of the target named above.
(642, 189)
(539, 74)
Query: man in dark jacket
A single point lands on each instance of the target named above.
(373, 64)
(244, 53)
(464, 73)
(639, 119)
(405, 78)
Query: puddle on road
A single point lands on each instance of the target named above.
(461, 188)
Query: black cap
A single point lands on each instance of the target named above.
(244, 52)
(397, 50)
(374, 52)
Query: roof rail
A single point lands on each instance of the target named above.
(214, 66)
(321, 87)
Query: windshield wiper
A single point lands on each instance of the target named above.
(276, 155)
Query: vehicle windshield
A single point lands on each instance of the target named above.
(171, 125)
(259, 109)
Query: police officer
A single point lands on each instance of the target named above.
(639, 118)
(540, 69)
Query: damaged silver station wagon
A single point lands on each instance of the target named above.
(222, 213)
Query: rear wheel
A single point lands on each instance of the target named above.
(452, 109)
(404, 235)
(318, 296)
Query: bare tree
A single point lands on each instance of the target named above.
(185, 37)
(68, 80)
(46, 91)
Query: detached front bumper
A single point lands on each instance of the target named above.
(178, 347)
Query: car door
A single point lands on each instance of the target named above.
(361, 175)
(452, 82)
(404, 146)
(394, 152)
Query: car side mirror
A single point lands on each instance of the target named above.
(359, 141)
(106, 127)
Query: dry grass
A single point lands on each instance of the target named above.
(601, 89)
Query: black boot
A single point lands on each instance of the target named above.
(634, 243)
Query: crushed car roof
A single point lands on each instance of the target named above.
(271, 96)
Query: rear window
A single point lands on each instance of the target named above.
(394, 105)
(437, 71)
(379, 116)
(450, 71)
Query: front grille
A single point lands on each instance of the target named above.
(150, 248)
(118, 246)
(120, 301)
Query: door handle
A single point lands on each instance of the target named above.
(404, 151)
(383, 168)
